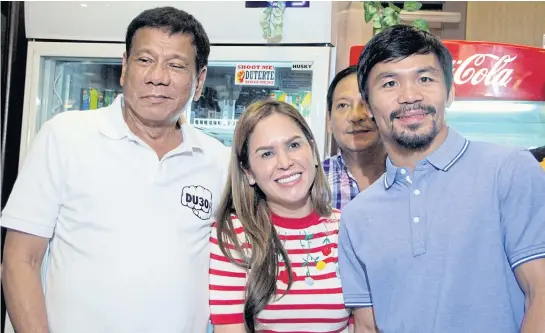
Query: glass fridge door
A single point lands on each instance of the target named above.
(510, 123)
(64, 76)
(69, 83)
(231, 86)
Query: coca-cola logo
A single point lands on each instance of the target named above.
(469, 71)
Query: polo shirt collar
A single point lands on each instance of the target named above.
(390, 175)
(113, 126)
(443, 158)
(450, 151)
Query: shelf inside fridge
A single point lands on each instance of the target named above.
(226, 124)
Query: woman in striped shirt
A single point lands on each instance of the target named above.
(273, 264)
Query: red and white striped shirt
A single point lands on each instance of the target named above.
(314, 303)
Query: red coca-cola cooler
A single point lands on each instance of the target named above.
(500, 92)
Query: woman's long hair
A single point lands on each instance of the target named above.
(249, 204)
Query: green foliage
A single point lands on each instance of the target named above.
(272, 21)
(384, 17)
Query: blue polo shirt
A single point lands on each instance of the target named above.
(438, 247)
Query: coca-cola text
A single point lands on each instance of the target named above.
(494, 73)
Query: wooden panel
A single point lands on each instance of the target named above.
(351, 30)
(514, 22)
(455, 30)
(431, 16)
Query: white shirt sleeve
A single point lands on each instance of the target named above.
(35, 201)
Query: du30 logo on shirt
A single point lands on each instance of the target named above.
(199, 200)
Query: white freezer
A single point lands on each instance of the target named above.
(58, 71)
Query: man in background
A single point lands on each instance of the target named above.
(124, 196)
(361, 157)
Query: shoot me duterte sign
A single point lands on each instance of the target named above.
(255, 75)
(495, 71)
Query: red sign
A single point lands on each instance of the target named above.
(495, 71)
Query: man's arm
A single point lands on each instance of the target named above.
(522, 191)
(23, 255)
(531, 277)
(354, 278)
(364, 321)
(233, 328)
(30, 216)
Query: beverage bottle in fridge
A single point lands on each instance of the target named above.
(93, 97)
(85, 99)
(109, 96)
(100, 99)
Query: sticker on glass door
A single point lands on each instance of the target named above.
(255, 75)
(301, 66)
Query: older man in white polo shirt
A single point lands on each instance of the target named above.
(124, 196)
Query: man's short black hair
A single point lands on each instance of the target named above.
(175, 21)
(338, 78)
(397, 43)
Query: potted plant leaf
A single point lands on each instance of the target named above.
(384, 17)
(272, 21)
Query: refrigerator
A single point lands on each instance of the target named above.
(64, 76)
(74, 63)
(499, 92)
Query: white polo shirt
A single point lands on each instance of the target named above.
(130, 232)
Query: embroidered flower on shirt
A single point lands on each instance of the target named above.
(308, 259)
(320, 265)
(326, 250)
(284, 276)
(309, 281)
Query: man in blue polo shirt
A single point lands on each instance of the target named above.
(451, 239)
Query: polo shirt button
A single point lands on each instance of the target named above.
(416, 192)
(403, 171)
(416, 219)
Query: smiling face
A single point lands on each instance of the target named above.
(159, 77)
(281, 164)
(349, 120)
(408, 100)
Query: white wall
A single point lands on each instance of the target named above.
(224, 21)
